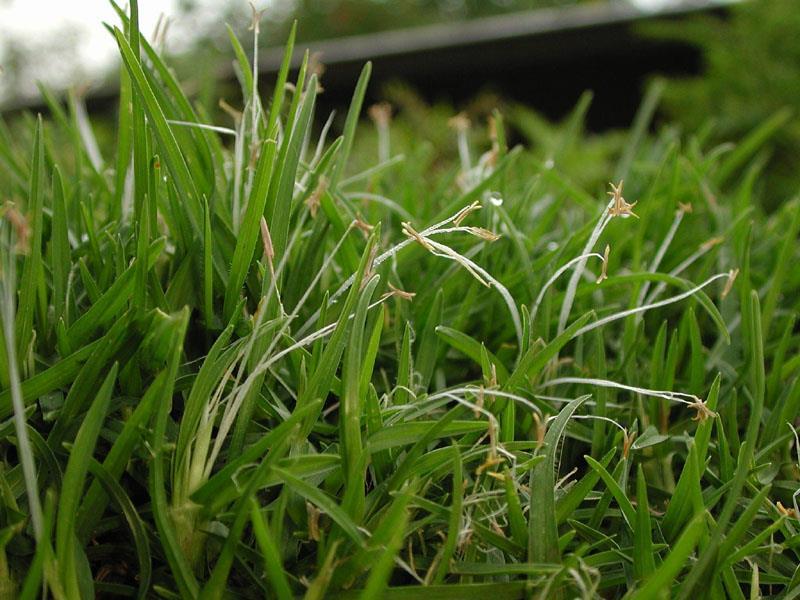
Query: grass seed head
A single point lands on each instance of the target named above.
(702, 410)
(236, 115)
(363, 226)
(402, 294)
(312, 514)
(413, 234)
(483, 234)
(492, 380)
(711, 242)
(621, 208)
(604, 269)
(381, 114)
(541, 429)
(266, 240)
(314, 198)
(465, 212)
(729, 282)
(19, 223)
(255, 19)
(786, 512)
(627, 442)
(316, 67)
(460, 123)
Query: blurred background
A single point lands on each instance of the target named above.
(542, 52)
(727, 65)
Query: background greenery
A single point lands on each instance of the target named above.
(751, 69)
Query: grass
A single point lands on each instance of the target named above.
(249, 361)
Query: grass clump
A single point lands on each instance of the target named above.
(234, 365)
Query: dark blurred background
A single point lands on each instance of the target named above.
(543, 53)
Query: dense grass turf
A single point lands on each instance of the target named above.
(257, 361)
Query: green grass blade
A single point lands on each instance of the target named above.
(221, 487)
(134, 520)
(471, 347)
(167, 143)
(781, 268)
(428, 346)
(674, 562)
(215, 587)
(184, 578)
(248, 234)
(570, 501)
(352, 408)
(353, 114)
(322, 501)
(757, 138)
(60, 258)
(637, 133)
(320, 381)
(280, 82)
(74, 481)
(542, 529)
(59, 375)
(273, 566)
(245, 71)
(279, 201)
(461, 591)
(535, 359)
(381, 570)
(117, 458)
(111, 303)
(643, 560)
(616, 490)
(679, 509)
(454, 525)
(32, 270)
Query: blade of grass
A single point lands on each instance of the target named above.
(24, 450)
(248, 234)
(74, 481)
(273, 563)
(352, 408)
(279, 200)
(184, 578)
(674, 562)
(643, 559)
(168, 145)
(134, 520)
(542, 529)
(32, 270)
(353, 114)
(59, 249)
(455, 523)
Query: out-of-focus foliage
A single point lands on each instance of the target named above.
(334, 18)
(751, 70)
(589, 156)
(323, 19)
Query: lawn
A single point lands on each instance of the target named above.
(253, 359)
